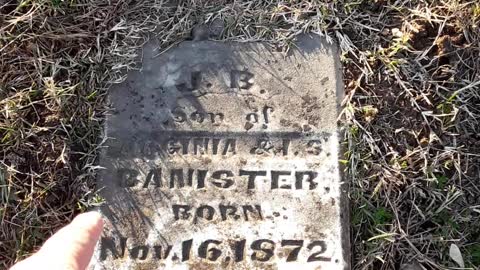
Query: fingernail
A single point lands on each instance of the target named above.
(88, 218)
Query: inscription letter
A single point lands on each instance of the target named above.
(181, 211)
(241, 79)
(222, 179)
(252, 175)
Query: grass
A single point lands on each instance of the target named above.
(412, 107)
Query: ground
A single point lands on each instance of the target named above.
(411, 112)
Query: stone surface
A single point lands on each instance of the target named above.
(225, 156)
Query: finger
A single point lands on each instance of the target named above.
(76, 241)
(70, 248)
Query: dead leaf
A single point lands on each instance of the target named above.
(456, 255)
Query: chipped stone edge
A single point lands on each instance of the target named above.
(345, 184)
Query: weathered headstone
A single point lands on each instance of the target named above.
(225, 156)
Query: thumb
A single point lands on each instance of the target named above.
(71, 248)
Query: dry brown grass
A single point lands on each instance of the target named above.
(411, 71)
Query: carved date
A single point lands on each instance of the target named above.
(213, 250)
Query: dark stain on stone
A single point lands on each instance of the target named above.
(324, 80)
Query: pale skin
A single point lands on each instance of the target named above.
(71, 248)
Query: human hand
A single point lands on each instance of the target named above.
(71, 248)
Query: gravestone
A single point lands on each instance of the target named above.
(225, 156)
